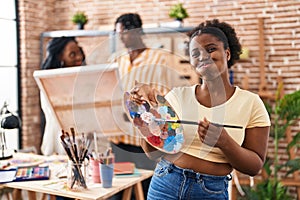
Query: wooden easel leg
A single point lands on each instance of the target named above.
(8, 195)
(31, 195)
(138, 191)
(45, 197)
(17, 194)
(127, 194)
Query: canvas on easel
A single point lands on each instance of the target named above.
(88, 98)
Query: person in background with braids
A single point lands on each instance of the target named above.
(61, 52)
(203, 167)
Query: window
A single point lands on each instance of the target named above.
(9, 65)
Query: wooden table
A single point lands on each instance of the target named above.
(95, 191)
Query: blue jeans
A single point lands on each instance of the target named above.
(170, 182)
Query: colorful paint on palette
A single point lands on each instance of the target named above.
(165, 136)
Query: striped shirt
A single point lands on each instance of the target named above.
(150, 67)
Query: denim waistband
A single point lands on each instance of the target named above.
(191, 173)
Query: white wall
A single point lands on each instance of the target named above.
(8, 63)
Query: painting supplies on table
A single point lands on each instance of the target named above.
(7, 175)
(96, 151)
(106, 157)
(76, 155)
(110, 159)
(122, 168)
(32, 173)
(107, 162)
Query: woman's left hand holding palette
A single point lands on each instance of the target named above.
(164, 136)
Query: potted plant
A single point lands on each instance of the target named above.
(80, 18)
(285, 113)
(178, 12)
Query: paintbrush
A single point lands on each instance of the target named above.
(85, 151)
(74, 143)
(163, 121)
(68, 146)
(73, 133)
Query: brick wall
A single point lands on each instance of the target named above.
(33, 19)
(281, 38)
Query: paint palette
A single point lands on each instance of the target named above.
(164, 136)
(32, 173)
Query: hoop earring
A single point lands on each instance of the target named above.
(62, 63)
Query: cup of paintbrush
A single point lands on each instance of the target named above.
(76, 166)
(76, 175)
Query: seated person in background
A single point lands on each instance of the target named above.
(61, 52)
(143, 64)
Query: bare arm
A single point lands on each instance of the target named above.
(248, 158)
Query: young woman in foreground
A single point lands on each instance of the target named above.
(202, 169)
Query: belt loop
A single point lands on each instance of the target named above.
(198, 176)
(229, 177)
(170, 166)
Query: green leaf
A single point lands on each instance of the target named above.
(295, 142)
(293, 166)
(178, 12)
(79, 18)
(267, 166)
(289, 107)
(269, 190)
